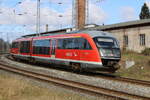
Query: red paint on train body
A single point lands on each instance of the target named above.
(52, 49)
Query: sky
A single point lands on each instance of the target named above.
(18, 17)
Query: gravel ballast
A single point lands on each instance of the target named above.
(105, 83)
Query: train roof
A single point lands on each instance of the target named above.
(92, 33)
(96, 33)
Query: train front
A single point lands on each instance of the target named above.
(109, 51)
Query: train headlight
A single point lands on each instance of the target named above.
(106, 52)
(101, 52)
(117, 52)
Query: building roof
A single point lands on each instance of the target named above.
(54, 31)
(129, 24)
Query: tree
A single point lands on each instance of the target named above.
(145, 14)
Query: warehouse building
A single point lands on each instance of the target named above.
(133, 35)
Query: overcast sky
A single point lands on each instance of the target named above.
(18, 17)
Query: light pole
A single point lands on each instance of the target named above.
(60, 22)
(38, 18)
(60, 16)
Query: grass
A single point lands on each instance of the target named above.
(141, 69)
(18, 89)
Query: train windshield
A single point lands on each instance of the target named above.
(106, 42)
(108, 47)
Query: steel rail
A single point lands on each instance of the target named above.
(1, 54)
(124, 79)
(135, 81)
(72, 84)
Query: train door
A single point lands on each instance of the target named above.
(53, 48)
(31, 47)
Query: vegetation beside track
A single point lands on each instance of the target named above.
(141, 68)
(12, 88)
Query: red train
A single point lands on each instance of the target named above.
(82, 50)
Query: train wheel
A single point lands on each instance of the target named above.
(117, 66)
(112, 71)
(76, 67)
(17, 59)
(32, 60)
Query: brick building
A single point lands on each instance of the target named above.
(133, 35)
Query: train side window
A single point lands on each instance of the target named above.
(25, 47)
(60, 44)
(69, 43)
(15, 45)
(41, 47)
(64, 43)
(73, 43)
(84, 44)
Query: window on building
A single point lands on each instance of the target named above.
(126, 41)
(142, 39)
(25, 47)
(73, 43)
(41, 47)
(15, 45)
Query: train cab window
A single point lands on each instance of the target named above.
(73, 43)
(106, 42)
(15, 45)
(25, 47)
(41, 47)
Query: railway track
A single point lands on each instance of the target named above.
(3, 53)
(121, 79)
(74, 85)
(124, 79)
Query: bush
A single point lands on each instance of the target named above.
(146, 52)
